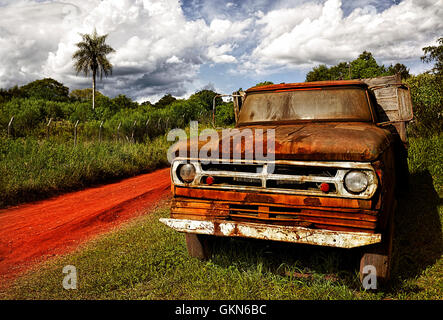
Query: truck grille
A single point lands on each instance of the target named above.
(292, 177)
(304, 217)
(331, 218)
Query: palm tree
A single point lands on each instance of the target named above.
(91, 58)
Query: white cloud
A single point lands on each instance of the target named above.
(320, 33)
(218, 54)
(157, 48)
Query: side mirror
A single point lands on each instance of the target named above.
(238, 97)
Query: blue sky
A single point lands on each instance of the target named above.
(179, 47)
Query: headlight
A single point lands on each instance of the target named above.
(187, 172)
(356, 181)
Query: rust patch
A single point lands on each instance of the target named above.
(298, 141)
(216, 227)
(316, 84)
(283, 199)
(256, 197)
(310, 201)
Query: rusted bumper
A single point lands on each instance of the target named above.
(339, 239)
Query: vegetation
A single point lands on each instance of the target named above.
(31, 115)
(434, 53)
(46, 89)
(264, 83)
(427, 99)
(425, 155)
(363, 67)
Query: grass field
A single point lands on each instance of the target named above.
(147, 260)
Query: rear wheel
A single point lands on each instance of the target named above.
(199, 245)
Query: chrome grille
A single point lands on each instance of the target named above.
(291, 177)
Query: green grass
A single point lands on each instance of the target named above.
(426, 154)
(32, 169)
(147, 260)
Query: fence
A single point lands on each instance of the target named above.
(131, 131)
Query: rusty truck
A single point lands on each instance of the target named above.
(339, 160)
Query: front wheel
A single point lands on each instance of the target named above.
(376, 259)
(375, 267)
(199, 245)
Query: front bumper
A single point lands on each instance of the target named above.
(322, 237)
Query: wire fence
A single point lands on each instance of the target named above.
(124, 130)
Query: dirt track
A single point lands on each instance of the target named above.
(32, 233)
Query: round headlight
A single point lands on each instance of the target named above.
(356, 181)
(187, 172)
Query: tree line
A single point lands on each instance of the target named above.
(365, 66)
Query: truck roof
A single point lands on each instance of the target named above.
(314, 84)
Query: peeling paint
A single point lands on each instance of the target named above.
(321, 237)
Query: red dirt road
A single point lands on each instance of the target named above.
(32, 233)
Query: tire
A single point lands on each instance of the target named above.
(380, 255)
(199, 246)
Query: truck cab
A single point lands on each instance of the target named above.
(333, 164)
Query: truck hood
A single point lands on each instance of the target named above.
(331, 141)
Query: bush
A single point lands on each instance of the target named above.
(28, 113)
(427, 98)
(425, 154)
(225, 114)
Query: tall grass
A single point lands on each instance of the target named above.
(426, 154)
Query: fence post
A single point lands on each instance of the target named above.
(75, 133)
(100, 132)
(146, 127)
(47, 128)
(9, 126)
(118, 131)
(133, 128)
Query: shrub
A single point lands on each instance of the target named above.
(427, 98)
(225, 114)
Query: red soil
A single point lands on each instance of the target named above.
(32, 233)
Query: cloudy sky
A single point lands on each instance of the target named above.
(179, 47)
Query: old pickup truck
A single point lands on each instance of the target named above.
(339, 156)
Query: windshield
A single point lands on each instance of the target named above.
(306, 104)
